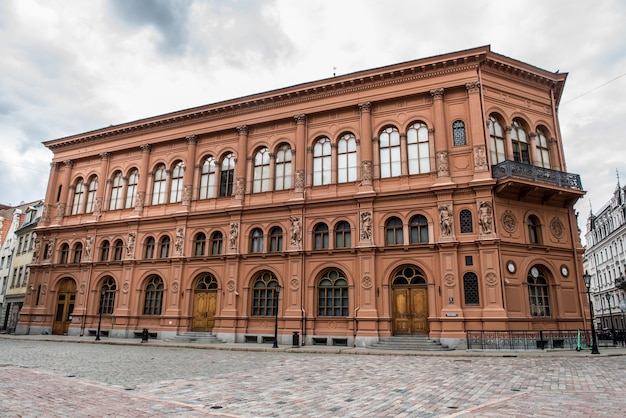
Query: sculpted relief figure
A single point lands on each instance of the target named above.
(443, 169)
(445, 220)
(296, 230)
(180, 240)
(366, 226)
(88, 245)
(485, 217)
(234, 235)
(130, 244)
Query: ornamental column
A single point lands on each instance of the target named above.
(240, 166)
(509, 143)
(366, 145)
(439, 136)
(188, 175)
(476, 134)
(104, 167)
(63, 196)
(140, 201)
(52, 180)
(533, 149)
(300, 153)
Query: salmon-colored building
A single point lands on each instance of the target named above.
(426, 197)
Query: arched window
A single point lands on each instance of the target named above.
(176, 188)
(91, 194)
(283, 168)
(78, 253)
(206, 282)
(333, 294)
(107, 296)
(216, 243)
(276, 239)
(520, 143)
(154, 296)
(104, 250)
(417, 147)
(346, 159)
(65, 253)
(465, 220)
(119, 249)
(256, 241)
(131, 191)
(320, 236)
(408, 275)
(261, 174)
(419, 229)
(538, 293)
(393, 232)
(158, 189)
(79, 197)
(470, 288)
(263, 295)
(458, 133)
(207, 178)
(199, 244)
(390, 157)
(117, 185)
(543, 149)
(227, 173)
(321, 162)
(164, 247)
(149, 248)
(343, 235)
(534, 230)
(496, 138)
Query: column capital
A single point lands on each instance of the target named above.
(437, 93)
(191, 139)
(365, 107)
(69, 163)
(300, 119)
(145, 147)
(105, 156)
(242, 129)
(473, 87)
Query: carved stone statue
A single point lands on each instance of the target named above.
(130, 244)
(480, 158)
(366, 226)
(240, 188)
(186, 195)
(443, 169)
(60, 212)
(445, 220)
(234, 235)
(485, 218)
(296, 230)
(180, 240)
(88, 245)
(366, 173)
(299, 186)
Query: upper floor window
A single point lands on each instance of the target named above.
(390, 157)
(118, 250)
(176, 189)
(393, 232)
(320, 236)
(216, 243)
(458, 133)
(131, 190)
(107, 296)
(264, 295)
(534, 235)
(78, 252)
(283, 168)
(261, 174)
(199, 244)
(333, 294)
(519, 140)
(538, 293)
(470, 288)
(276, 239)
(419, 229)
(158, 188)
(227, 174)
(346, 159)
(149, 247)
(322, 162)
(154, 296)
(91, 194)
(207, 178)
(79, 197)
(164, 247)
(343, 235)
(65, 252)
(465, 220)
(417, 148)
(496, 141)
(104, 250)
(543, 149)
(117, 185)
(256, 241)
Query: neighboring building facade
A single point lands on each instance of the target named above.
(427, 197)
(605, 256)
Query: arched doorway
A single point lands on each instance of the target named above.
(204, 303)
(66, 296)
(409, 302)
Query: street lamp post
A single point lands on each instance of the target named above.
(594, 341)
(276, 292)
(100, 313)
(608, 301)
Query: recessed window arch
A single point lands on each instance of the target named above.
(343, 235)
(466, 221)
(283, 168)
(118, 250)
(105, 247)
(107, 296)
(470, 288)
(322, 162)
(409, 275)
(64, 253)
(77, 253)
(199, 244)
(153, 300)
(393, 231)
(256, 240)
(458, 133)
(534, 229)
(159, 184)
(216, 242)
(176, 188)
(149, 247)
(276, 239)
(538, 292)
(264, 294)
(91, 194)
(496, 140)
(131, 190)
(208, 173)
(164, 246)
(206, 281)
(261, 173)
(543, 148)
(417, 148)
(227, 174)
(333, 293)
(418, 229)
(346, 158)
(117, 186)
(519, 139)
(79, 197)
(320, 236)
(390, 156)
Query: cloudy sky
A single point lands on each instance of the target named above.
(71, 66)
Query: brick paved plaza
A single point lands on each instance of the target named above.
(50, 378)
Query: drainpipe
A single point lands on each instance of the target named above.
(355, 325)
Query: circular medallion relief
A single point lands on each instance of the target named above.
(125, 287)
(174, 287)
(295, 284)
(449, 279)
(491, 279)
(367, 282)
(557, 228)
(230, 285)
(509, 221)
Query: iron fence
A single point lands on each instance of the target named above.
(526, 340)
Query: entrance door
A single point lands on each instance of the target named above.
(204, 304)
(410, 311)
(66, 297)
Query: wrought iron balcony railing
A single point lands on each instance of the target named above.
(539, 174)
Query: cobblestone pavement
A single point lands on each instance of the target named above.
(49, 379)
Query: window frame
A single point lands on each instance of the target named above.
(333, 294)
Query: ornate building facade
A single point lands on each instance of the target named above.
(427, 197)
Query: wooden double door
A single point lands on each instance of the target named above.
(66, 297)
(204, 307)
(410, 310)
